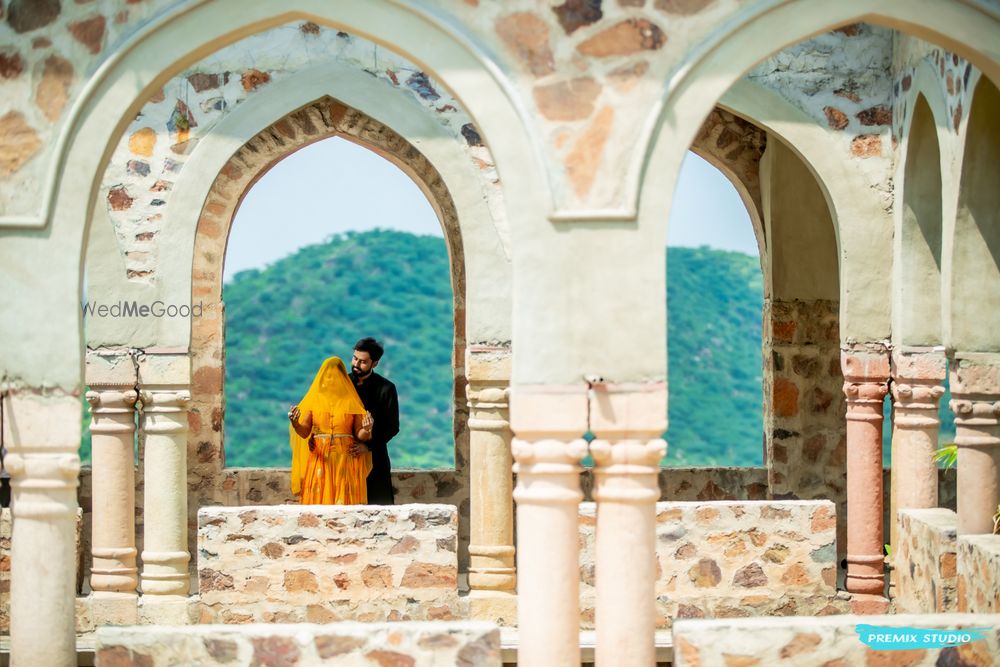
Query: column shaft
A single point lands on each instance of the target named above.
(113, 454)
(548, 499)
(491, 545)
(866, 376)
(626, 490)
(917, 387)
(44, 477)
(165, 552)
(975, 390)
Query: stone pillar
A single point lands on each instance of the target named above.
(975, 391)
(165, 518)
(628, 421)
(917, 386)
(492, 577)
(42, 432)
(113, 574)
(547, 423)
(866, 376)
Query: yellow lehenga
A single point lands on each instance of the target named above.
(329, 474)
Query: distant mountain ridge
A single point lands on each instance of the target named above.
(284, 319)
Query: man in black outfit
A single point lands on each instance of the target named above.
(379, 398)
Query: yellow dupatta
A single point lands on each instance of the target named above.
(331, 393)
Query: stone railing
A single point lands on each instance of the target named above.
(924, 562)
(343, 644)
(979, 574)
(293, 563)
(734, 558)
(829, 640)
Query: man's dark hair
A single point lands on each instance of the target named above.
(371, 346)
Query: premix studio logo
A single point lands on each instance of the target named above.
(889, 638)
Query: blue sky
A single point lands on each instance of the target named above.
(334, 186)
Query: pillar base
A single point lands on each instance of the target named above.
(114, 608)
(498, 607)
(168, 610)
(867, 605)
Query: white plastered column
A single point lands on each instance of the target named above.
(628, 421)
(165, 396)
(492, 576)
(548, 422)
(112, 376)
(44, 474)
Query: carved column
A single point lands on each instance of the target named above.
(43, 435)
(492, 576)
(866, 376)
(628, 421)
(917, 387)
(975, 391)
(112, 429)
(165, 522)
(547, 452)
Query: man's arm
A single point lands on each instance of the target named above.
(391, 427)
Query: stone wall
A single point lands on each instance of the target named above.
(979, 574)
(924, 562)
(319, 564)
(829, 641)
(729, 559)
(398, 644)
(804, 406)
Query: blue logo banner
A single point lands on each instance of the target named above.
(895, 638)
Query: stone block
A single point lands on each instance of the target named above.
(733, 558)
(978, 573)
(826, 640)
(295, 563)
(924, 562)
(397, 644)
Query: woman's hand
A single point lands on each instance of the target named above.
(293, 414)
(367, 421)
(357, 448)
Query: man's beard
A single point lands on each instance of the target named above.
(359, 374)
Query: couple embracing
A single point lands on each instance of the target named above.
(340, 430)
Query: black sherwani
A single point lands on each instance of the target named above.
(379, 398)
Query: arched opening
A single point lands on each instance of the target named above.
(714, 301)
(303, 128)
(359, 251)
(975, 287)
(919, 317)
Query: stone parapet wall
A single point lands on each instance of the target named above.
(924, 562)
(347, 644)
(979, 574)
(730, 559)
(831, 641)
(319, 564)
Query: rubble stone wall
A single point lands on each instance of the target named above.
(979, 574)
(925, 567)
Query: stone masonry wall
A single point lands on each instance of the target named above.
(730, 559)
(804, 407)
(831, 641)
(319, 564)
(345, 644)
(925, 573)
(979, 574)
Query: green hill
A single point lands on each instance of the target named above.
(282, 321)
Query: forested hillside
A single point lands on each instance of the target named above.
(283, 321)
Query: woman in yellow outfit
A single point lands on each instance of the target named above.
(330, 466)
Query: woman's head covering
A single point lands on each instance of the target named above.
(332, 393)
